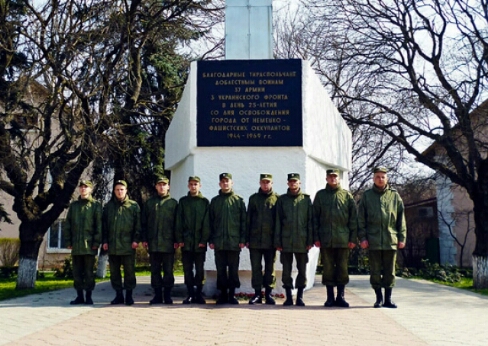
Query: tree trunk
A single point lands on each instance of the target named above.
(26, 277)
(29, 251)
(480, 272)
(102, 265)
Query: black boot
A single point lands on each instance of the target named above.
(268, 298)
(158, 296)
(388, 302)
(299, 301)
(232, 298)
(88, 299)
(190, 298)
(223, 298)
(199, 296)
(257, 298)
(340, 301)
(119, 298)
(79, 298)
(330, 297)
(379, 298)
(128, 297)
(289, 297)
(167, 296)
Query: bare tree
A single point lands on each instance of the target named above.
(82, 94)
(300, 35)
(418, 71)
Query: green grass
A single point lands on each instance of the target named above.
(50, 283)
(46, 284)
(465, 284)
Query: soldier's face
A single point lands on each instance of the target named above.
(226, 184)
(85, 191)
(162, 188)
(120, 192)
(380, 179)
(266, 185)
(194, 187)
(293, 185)
(333, 180)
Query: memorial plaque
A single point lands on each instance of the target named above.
(249, 103)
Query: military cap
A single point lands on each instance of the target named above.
(333, 171)
(225, 176)
(293, 176)
(380, 169)
(85, 183)
(194, 178)
(121, 182)
(162, 179)
(266, 176)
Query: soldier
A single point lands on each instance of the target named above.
(294, 236)
(83, 235)
(158, 236)
(192, 233)
(227, 237)
(382, 229)
(261, 214)
(335, 233)
(121, 227)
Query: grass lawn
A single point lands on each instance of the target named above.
(49, 283)
(465, 284)
(46, 284)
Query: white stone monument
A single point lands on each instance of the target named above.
(248, 117)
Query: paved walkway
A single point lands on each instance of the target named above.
(428, 314)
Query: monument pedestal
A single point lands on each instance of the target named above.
(251, 117)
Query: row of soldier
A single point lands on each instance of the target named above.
(290, 223)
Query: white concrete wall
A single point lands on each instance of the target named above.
(326, 144)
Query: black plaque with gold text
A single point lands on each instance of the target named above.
(249, 103)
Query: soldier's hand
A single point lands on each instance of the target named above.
(401, 245)
(202, 245)
(134, 245)
(105, 246)
(212, 246)
(351, 245)
(247, 245)
(145, 244)
(317, 243)
(364, 244)
(309, 247)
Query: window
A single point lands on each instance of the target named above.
(55, 240)
(426, 212)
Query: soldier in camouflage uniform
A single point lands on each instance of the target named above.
(335, 225)
(382, 229)
(227, 237)
(192, 234)
(261, 214)
(83, 235)
(294, 236)
(121, 228)
(158, 237)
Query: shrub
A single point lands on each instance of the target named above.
(66, 271)
(9, 251)
(435, 271)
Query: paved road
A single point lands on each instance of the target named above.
(428, 314)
